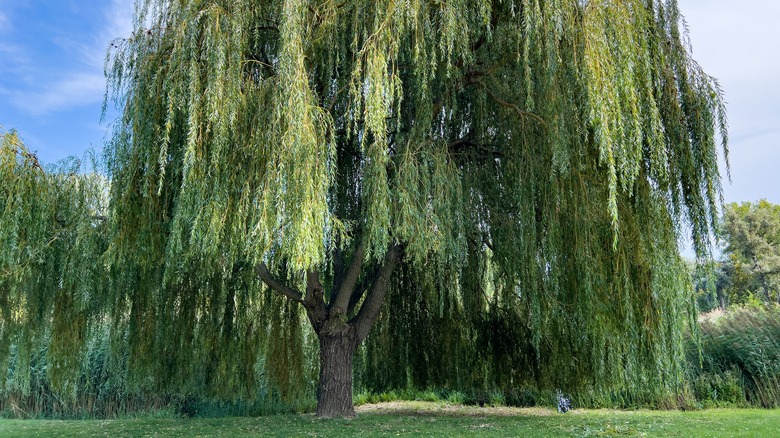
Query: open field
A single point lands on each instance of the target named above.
(427, 419)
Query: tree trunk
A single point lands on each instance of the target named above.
(338, 338)
(334, 396)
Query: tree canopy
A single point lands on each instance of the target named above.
(52, 281)
(751, 266)
(539, 157)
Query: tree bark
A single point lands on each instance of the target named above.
(339, 338)
(334, 395)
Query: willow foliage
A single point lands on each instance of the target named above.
(536, 159)
(52, 276)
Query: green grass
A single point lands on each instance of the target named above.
(426, 419)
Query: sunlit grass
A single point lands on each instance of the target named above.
(427, 419)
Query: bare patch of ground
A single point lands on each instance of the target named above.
(445, 409)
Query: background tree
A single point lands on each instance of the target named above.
(52, 276)
(751, 232)
(533, 159)
(709, 281)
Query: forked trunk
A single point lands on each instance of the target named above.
(334, 396)
(338, 338)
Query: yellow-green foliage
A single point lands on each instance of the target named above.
(52, 275)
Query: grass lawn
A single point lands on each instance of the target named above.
(426, 419)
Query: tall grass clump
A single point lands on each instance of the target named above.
(740, 357)
(100, 391)
(103, 390)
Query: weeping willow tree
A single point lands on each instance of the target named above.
(534, 158)
(52, 277)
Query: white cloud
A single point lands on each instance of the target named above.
(5, 23)
(74, 90)
(120, 18)
(17, 66)
(40, 92)
(736, 43)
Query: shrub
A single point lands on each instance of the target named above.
(740, 358)
(715, 389)
(456, 398)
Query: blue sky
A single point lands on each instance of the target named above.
(738, 42)
(51, 70)
(51, 77)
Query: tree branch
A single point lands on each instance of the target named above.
(485, 242)
(31, 157)
(314, 303)
(520, 112)
(467, 147)
(338, 269)
(376, 296)
(314, 289)
(276, 285)
(340, 302)
(361, 288)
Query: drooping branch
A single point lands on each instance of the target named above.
(30, 157)
(376, 295)
(467, 147)
(510, 105)
(341, 300)
(277, 285)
